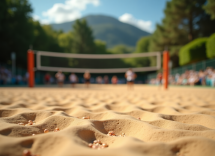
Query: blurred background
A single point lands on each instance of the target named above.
(185, 27)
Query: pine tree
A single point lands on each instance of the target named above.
(184, 21)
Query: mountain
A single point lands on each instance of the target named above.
(108, 29)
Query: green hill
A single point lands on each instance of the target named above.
(108, 29)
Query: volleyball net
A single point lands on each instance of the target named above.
(94, 63)
(79, 63)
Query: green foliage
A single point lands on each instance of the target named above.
(129, 62)
(100, 47)
(193, 51)
(211, 46)
(184, 21)
(45, 38)
(83, 41)
(121, 49)
(210, 8)
(177, 27)
(16, 31)
(65, 40)
(138, 62)
(143, 44)
(174, 50)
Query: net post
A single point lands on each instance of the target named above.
(165, 68)
(30, 68)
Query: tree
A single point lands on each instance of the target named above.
(45, 38)
(121, 49)
(143, 44)
(184, 21)
(138, 62)
(193, 52)
(210, 8)
(65, 40)
(83, 41)
(186, 14)
(211, 46)
(100, 47)
(205, 26)
(16, 30)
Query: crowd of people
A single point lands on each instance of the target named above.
(189, 77)
(73, 79)
(6, 77)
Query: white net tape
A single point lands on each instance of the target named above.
(97, 56)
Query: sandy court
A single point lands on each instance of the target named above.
(177, 122)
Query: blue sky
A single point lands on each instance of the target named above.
(143, 14)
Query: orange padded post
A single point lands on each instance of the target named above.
(165, 68)
(31, 68)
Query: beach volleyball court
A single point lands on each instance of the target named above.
(145, 121)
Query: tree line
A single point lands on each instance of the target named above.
(185, 31)
(183, 23)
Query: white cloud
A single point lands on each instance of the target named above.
(141, 24)
(36, 18)
(68, 11)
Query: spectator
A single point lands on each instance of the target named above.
(60, 78)
(99, 80)
(114, 80)
(191, 77)
(159, 78)
(18, 79)
(26, 78)
(87, 78)
(202, 77)
(106, 79)
(184, 79)
(177, 76)
(213, 78)
(47, 78)
(73, 79)
(130, 77)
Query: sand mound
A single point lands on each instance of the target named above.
(146, 121)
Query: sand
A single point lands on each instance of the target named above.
(177, 122)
